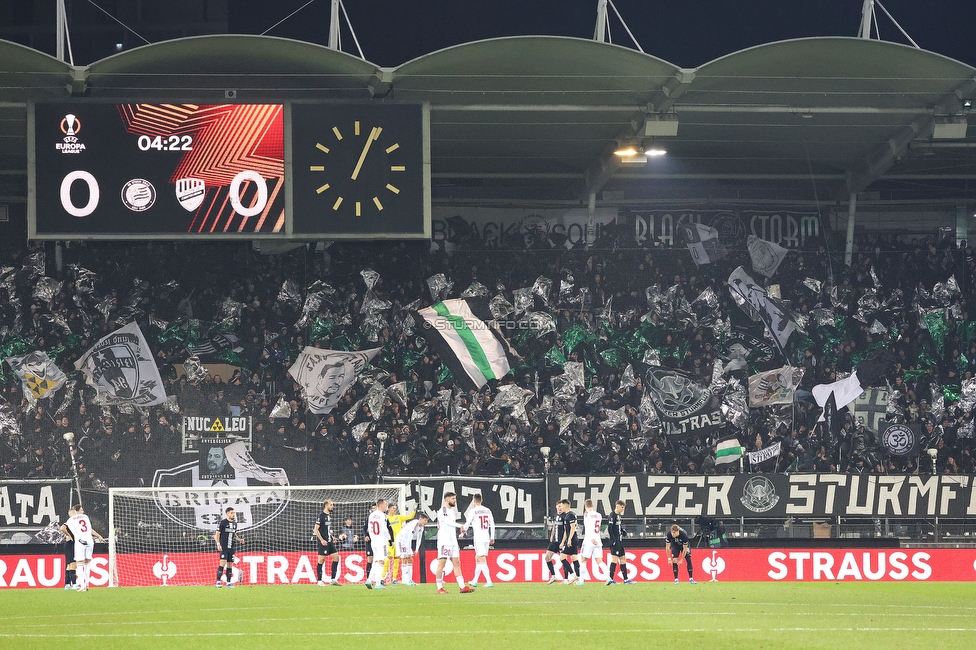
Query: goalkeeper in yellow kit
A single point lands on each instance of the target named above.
(392, 564)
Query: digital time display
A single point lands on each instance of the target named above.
(104, 170)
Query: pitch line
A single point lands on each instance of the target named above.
(494, 631)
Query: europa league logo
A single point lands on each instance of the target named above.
(70, 125)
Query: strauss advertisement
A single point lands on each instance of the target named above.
(643, 565)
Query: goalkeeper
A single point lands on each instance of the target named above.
(392, 564)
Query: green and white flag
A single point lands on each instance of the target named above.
(728, 451)
(463, 333)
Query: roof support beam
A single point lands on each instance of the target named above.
(606, 165)
(670, 91)
(880, 160)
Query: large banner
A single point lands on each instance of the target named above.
(33, 505)
(773, 495)
(788, 229)
(643, 565)
(517, 501)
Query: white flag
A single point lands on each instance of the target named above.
(773, 386)
(845, 391)
(325, 375)
(761, 456)
(122, 369)
(40, 376)
(766, 256)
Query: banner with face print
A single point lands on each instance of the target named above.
(325, 375)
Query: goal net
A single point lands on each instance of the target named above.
(165, 536)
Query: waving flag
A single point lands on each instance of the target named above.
(122, 369)
(766, 256)
(466, 341)
(40, 376)
(756, 302)
(325, 375)
(703, 243)
(728, 451)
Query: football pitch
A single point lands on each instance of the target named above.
(710, 615)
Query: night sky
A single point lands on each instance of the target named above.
(687, 33)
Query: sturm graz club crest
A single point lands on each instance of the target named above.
(118, 364)
(759, 494)
(675, 396)
(898, 439)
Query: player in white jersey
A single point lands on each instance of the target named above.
(592, 547)
(447, 544)
(379, 538)
(408, 542)
(482, 523)
(83, 533)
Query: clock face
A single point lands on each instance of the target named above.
(358, 169)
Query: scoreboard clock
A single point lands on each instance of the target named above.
(360, 171)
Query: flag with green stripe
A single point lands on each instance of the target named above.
(728, 451)
(461, 333)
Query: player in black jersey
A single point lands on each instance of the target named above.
(327, 544)
(555, 537)
(70, 579)
(677, 545)
(569, 548)
(227, 540)
(618, 555)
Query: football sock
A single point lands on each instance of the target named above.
(220, 571)
(576, 569)
(623, 570)
(335, 569)
(69, 577)
(566, 569)
(460, 579)
(318, 571)
(690, 568)
(229, 572)
(82, 572)
(552, 569)
(407, 573)
(674, 567)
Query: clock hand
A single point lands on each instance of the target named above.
(373, 135)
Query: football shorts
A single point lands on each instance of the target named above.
(83, 551)
(676, 552)
(447, 550)
(618, 550)
(481, 548)
(228, 556)
(327, 549)
(69, 552)
(553, 547)
(571, 549)
(404, 551)
(590, 550)
(379, 552)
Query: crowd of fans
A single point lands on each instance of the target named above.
(62, 300)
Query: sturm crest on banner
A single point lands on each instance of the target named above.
(685, 407)
(121, 368)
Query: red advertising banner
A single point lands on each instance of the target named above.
(644, 565)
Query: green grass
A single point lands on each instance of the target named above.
(709, 615)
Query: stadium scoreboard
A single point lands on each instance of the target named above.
(288, 171)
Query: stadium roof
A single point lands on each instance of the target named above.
(533, 121)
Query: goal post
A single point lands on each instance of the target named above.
(165, 536)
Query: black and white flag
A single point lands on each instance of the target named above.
(325, 375)
(756, 301)
(766, 256)
(703, 243)
(900, 439)
(122, 369)
(213, 345)
(684, 407)
(764, 454)
(871, 406)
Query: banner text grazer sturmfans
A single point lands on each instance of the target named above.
(511, 500)
(773, 495)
